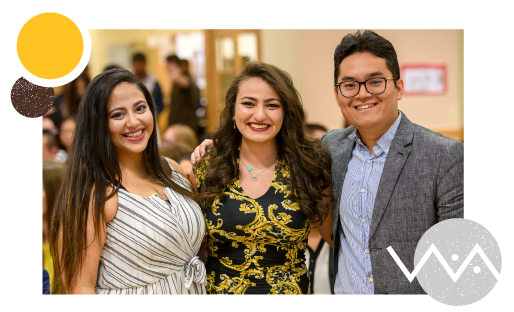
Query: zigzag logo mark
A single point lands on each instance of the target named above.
(433, 250)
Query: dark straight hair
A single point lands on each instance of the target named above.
(93, 166)
(308, 160)
(368, 41)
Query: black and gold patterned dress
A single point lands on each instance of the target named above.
(256, 246)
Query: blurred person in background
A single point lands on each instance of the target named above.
(185, 95)
(139, 66)
(317, 261)
(66, 104)
(179, 133)
(126, 220)
(184, 66)
(73, 94)
(51, 147)
(53, 174)
(66, 133)
(196, 96)
(316, 131)
(317, 251)
(49, 126)
(174, 151)
(55, 112)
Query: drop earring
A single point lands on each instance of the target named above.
(234, 124)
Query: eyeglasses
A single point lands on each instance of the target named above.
(373, 86)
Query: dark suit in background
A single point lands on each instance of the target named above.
(184, 103)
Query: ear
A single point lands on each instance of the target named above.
(336, 95)
(399, 88)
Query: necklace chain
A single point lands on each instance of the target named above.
(255, 178)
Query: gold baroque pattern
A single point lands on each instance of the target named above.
(264, 253)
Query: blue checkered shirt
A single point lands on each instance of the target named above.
(360, 186)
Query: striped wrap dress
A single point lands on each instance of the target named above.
(151, 246)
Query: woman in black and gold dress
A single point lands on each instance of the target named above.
(264, 184)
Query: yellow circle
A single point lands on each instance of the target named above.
(50, 45)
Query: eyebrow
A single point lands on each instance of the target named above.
(265, 101)
(376, 73)
(123, 108)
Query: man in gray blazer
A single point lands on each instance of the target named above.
(392, 179)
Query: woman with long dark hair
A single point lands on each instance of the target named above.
(264, 184)
(126, 220)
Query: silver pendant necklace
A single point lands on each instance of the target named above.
(255, 178)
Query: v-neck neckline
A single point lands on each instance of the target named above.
(146, 197)
(270, 186)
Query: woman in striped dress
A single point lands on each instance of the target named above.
(126, 220)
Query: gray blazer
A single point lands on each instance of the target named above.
(422, 183)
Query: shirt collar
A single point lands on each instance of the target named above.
(384, 143)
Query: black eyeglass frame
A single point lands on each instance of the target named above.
(364, 83)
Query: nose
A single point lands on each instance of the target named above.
(260, 113)
(132, 121)
(363, 92)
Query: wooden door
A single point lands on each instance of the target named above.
(226, 51)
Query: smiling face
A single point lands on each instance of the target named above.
(259, 114)
(368, 112)
(129, 118)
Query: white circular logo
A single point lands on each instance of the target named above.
(458, 262)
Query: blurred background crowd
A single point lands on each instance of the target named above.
(187, 72)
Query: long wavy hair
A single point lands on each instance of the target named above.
(308, 160)
(93, 166)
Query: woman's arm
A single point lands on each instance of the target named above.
(326, 229)
(86, 277)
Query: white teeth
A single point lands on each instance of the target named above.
(134, 135)
(259, 126)
(365, 106)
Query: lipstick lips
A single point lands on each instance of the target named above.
(263, 125)
(134, 131)
(137, 138)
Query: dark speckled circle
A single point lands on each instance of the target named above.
(31, 100)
